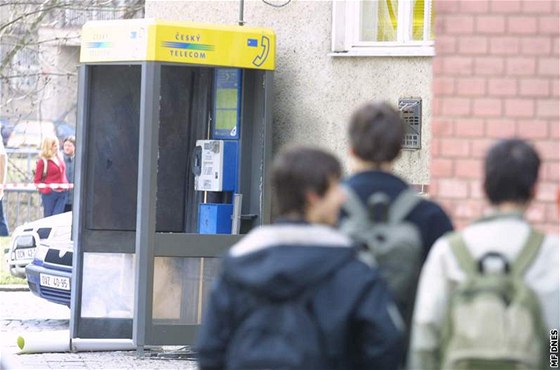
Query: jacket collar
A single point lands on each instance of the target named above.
(290, 234)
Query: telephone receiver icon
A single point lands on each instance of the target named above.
(265, 47)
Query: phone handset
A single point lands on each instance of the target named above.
(197, 160)
(265, 47)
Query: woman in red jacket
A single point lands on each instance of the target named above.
(50, 177)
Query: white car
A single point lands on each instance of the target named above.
(27, 237)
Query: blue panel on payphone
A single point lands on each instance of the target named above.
(214, 218)
(227, 106)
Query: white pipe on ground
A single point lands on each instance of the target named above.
(60, 341)
(45, 341)
(86, 345)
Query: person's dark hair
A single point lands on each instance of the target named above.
(71, 139)
(376, 132)
(298, 170)
(511, 171)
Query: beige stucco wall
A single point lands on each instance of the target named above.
(54, 95)
(315, 93)
(58, 91)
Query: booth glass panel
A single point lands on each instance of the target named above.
(181, 286)
(113, 140)
(108, 285)
(183, 119)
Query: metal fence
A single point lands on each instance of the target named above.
(22, 202)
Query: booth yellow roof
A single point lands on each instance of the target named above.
(135, 40)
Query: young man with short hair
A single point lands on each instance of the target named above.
(301, 259)
(376, 132)
(510, 184)
(69, 152)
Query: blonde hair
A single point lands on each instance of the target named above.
(47, 150)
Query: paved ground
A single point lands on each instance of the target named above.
(21, 312)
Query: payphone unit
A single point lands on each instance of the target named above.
(215, 169)
(215, 165)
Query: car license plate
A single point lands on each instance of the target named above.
(26, 253)
(55, 281)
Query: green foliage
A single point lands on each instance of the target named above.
(7, 279)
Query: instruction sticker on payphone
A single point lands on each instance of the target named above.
(227, 104)
(215, 165)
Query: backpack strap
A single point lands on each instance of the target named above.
(521, 263)
(353, 205)
(528, 252)
(401, 207)
(462, 254)
(398, 209)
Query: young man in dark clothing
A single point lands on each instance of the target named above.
(301, 257)
(69, 152)
(376, 133)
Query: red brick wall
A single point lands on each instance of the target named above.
(495, 75)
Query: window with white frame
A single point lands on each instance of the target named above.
(383, 27)
(25, 69)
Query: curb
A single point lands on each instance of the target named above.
(14, 288)
(8, 361)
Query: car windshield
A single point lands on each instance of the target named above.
(63, 130)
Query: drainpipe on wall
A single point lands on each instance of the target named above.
(241, 5)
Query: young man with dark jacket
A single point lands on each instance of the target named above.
(376, 133)
(300, 257)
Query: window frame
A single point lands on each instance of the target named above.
(25, 66)
(346, 23)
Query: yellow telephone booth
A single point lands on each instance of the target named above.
(174, 139)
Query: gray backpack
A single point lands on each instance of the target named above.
(393, 244)
(494, 319)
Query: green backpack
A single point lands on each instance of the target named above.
(393, 244)
(494, 319)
